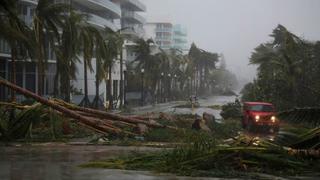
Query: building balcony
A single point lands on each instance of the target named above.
(101, 22)
(180, 40)
(134, 32)
(134, 5)
(167, 30)
(164, 38)
(32, 2)
(113, 9)
(133, 17)
(165, 47)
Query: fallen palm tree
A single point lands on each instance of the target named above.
(99, 121)
(243, 157)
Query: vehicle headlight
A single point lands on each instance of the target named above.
(273, 119)
(257, 118)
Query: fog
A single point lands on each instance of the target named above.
(236, 27)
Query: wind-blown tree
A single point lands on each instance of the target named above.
(210, 60)
(118, 40)
(203, 62)
(284, 75)
(87, 40)
(66, 51)
(144, 60)
(113, 44)
(16, 33)
(195, 56)
(47, 19)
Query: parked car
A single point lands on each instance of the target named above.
(259, 114)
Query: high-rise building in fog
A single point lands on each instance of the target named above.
(167, 36)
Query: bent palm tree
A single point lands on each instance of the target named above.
(47, 18)
(66, 52)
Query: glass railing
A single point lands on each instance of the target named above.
(138, 4)
(31, 1)
(158, 29)
(164, 38)
(109, 5)
(134, 15)
(102, 22)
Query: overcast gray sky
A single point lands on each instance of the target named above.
(236, 27)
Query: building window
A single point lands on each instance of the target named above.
(3, 75)
(31, 77)
(50, 78)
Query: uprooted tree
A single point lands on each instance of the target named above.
(98, 121)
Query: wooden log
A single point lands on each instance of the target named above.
(65, 111)
(103, 114)
(108, 121)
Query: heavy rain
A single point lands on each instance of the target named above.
(159, 89)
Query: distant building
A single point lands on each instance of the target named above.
(167, 36)
(131, 25)
(180, 36)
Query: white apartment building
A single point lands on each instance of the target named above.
(167, 36)
(117, 15)
(114, 14)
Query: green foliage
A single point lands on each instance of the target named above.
(203, 155)
(231, 110)
(288, 69)
(37, 123)
(301, 116)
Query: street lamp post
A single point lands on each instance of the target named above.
(169, 87)
(190, 86)
(142, 93)
(161, 88)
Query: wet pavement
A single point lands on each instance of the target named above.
(55, 162)
(60, 161)
(204, 103)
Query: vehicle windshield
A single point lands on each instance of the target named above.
(264, 108)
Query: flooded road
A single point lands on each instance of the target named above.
(204, 103)
(59, 162)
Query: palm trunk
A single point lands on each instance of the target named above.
(68, 87)
(13, 70)
(40, 59)
(85, 100)
(110, 88)
(56, 80)
(91, 123)
(97, 98)
(121, 79)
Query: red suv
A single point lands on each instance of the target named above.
(259, 114)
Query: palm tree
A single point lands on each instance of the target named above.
(87, 39)
(48, 17)
(112, 45)
(66, 51)
(16, 33)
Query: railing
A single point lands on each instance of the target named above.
(109, 5)
(31, 1)
(138, 4)
(134, 15)
(99, 21)
(164, 38)
(169, 30)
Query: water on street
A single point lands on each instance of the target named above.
(60, 161)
